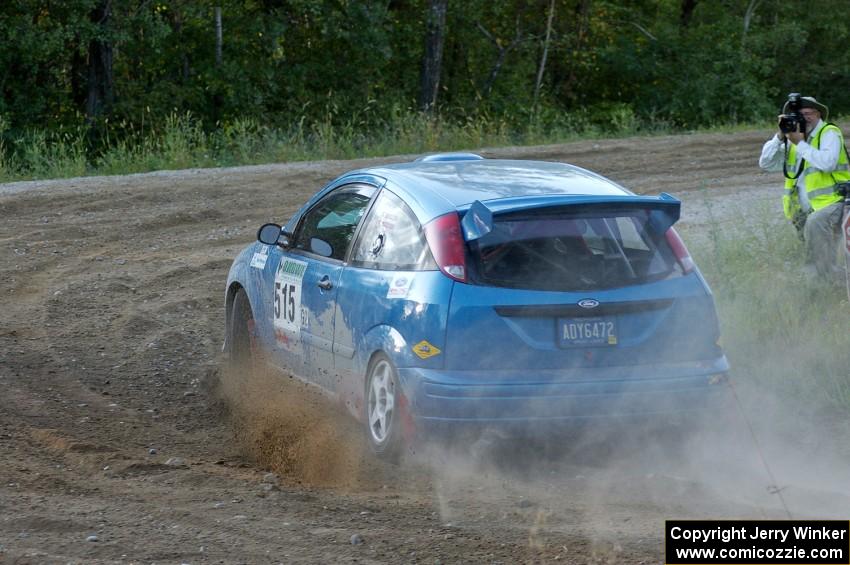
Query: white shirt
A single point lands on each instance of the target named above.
(824, 159)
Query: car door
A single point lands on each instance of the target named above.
(306, 283)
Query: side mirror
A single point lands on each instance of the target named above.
(273, 234)
(269, 234)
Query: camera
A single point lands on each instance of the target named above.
(792, 120)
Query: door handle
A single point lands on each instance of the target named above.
(325, 283)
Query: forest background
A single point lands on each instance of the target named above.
(115, 86)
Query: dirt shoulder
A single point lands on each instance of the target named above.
(111, 321)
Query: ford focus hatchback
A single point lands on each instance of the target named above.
(456, 292)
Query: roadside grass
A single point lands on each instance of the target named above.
(42, 154)
(784, 334)
(180, 141)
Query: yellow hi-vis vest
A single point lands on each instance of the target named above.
(820, 185)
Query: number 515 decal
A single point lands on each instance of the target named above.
(287, 295)
(284, 301)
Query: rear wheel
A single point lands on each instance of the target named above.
(383, 403)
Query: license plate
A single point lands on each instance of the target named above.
(584, 332)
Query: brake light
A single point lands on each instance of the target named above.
(446, 242)
(680, 251)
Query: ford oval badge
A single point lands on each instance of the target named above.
(588, 303)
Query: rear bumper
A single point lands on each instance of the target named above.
(514, 399)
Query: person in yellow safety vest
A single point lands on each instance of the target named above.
(811, 201)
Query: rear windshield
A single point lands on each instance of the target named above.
(572, 252)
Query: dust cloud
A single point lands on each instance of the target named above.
(748, 460)
(796, 452)
(292, 429)
(752, 455)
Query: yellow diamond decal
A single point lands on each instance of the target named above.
(424, 349)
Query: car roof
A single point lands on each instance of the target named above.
(439, 186)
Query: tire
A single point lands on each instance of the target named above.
(383, 409)
(242, 340)
(243, 352)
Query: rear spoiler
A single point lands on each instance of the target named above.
(478, 221)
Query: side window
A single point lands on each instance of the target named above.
(333, 220)
(392, 239)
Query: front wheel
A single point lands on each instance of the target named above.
(243, 349)
(242, 340)
(383, 404)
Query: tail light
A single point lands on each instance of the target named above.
(446, 242)
(680, 251)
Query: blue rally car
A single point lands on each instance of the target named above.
(456, 291)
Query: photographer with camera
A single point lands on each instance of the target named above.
(811, 154)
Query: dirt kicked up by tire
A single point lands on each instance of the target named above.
(282, 424)
(116, 446)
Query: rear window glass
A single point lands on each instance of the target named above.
(567, 253)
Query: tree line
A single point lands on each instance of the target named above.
(112, 67)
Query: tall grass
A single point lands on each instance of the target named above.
(180, 141)
(782, 331)
(42, 154)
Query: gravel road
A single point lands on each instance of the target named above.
(115, 448)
